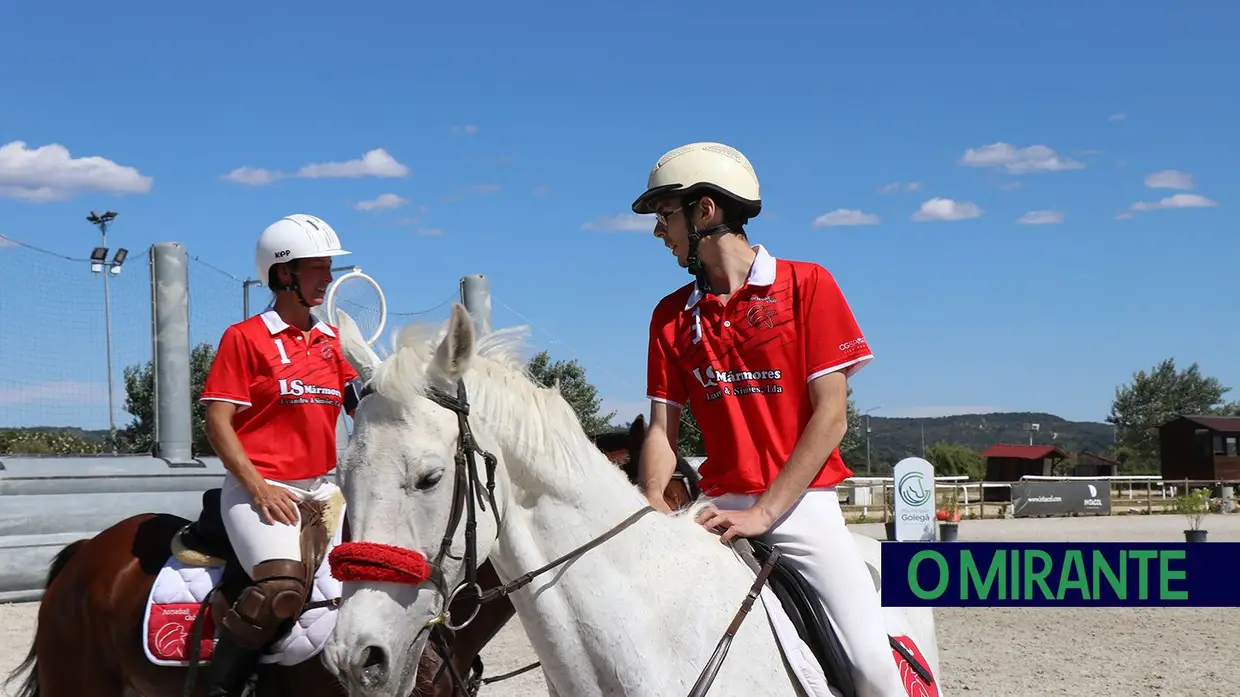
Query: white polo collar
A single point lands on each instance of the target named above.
(761, 273)
(275, 325)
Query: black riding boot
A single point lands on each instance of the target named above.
(231, 665)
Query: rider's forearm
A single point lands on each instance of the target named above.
(227, 445)
(824, 432)
(658, 462)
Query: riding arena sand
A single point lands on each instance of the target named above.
(988, 652)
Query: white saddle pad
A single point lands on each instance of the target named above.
(176, 598)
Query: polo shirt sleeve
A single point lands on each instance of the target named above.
(230, 376)
(833, 340)
(347, 372)
(664, 383)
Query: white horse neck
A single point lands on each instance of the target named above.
(636, 615)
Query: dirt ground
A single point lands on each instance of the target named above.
(988, 652)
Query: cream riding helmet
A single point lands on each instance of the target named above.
(692, 171)
(293, 237)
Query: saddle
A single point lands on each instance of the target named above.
(801, 603)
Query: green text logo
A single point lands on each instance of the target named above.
(912, 490)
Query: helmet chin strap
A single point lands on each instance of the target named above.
(695, 266)
(295, 286)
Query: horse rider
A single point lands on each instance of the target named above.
(274, 393)
(762, 348)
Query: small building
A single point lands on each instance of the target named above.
(1008, 463)
(1094, 465)
(1201, 448)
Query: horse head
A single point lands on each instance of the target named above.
(421, 480)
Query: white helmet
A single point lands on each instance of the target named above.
(297, 236)
(702, 168)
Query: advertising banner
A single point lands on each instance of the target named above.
(1031, 499)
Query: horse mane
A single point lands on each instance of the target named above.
(543, 428)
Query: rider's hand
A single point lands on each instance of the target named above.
(747, 522)
(276, 504)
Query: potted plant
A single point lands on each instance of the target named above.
(949, 516)
(1194, 505)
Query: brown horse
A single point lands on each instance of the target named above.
(89, 639)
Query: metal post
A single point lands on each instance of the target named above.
(867, 445)
(107, 332)
(476, 296)
(170, 290)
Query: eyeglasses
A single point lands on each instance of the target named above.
(662, 217)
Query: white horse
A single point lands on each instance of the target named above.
(639, 614)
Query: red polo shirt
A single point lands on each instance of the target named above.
(289, 391)
(746, 367)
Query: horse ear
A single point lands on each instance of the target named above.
(455, 352)
(359, 354)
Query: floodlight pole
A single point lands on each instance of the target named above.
(102, 223)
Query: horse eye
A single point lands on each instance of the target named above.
(428, 481)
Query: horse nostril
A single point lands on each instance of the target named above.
(372, 667)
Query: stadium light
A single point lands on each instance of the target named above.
(98, 257)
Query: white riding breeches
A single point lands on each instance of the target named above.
(814, 539)
(254, 540)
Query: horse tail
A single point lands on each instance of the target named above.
(30, 686)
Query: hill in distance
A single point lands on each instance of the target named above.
(893, 438)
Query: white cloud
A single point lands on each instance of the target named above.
(896, 186)
(50, 173)
(1174, 201)
(1041, 217)
(375, 163)
(383, 202)
(466, 130)
(845, 216)
(6, 242)
(1035, 158)
(625, 222)
(429, 232)
(946, 209)
(1169, 179)
(1117, 117)
(542, 191)
(253, 176)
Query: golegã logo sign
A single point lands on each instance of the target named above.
(912, 489)
(914, 499)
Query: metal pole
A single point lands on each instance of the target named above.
(170, 275)
(867, 445)
(107, 330)
(476, 296)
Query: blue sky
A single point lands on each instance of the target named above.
(513, 139)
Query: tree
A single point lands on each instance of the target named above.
(951, 459)
(852, 448)
(139, 435)
(571, 378)
(689, 435)
(1156, 397)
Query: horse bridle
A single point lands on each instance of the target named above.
(468, 489)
